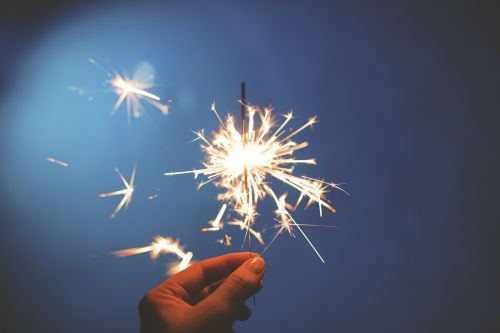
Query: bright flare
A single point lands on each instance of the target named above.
(162, 245)
(127, 192)
(244, 166)
(133, 91)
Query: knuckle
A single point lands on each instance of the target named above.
(244, 282)
(239, 282)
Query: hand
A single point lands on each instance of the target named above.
(208, 296)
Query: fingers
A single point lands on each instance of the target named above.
(242, 313)
(208, 290)
(198, 276)
(242, 283)
(226, 303)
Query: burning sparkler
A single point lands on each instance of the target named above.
(127, 192)
(162, 245)
(61, 163)
(243, 163)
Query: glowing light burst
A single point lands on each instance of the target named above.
(243, 165)
(131, 90)
(162, 245)
(127, 192)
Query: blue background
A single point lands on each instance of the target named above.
(407, 99)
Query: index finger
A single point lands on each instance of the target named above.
(198, 276)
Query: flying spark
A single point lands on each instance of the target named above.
(61, 163)
(162, 245)
(225, 241)
(127, 192)
(243, 163)
(216, 224)
(131, 90)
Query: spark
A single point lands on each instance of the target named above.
(127, 192)
(243, 164)
(161, 245)
(61, 163)
(244, 226)
(130, 90)
(216, 224)
(285, 222)
(133, 91)
(225, 241)
(155, 195)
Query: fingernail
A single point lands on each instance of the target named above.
(256, 265)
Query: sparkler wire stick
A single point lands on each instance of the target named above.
(245, 172)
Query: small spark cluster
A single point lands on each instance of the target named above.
(162, 245)
(127, 192)
(133, 91)
(130, 90)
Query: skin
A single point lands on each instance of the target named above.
(207, 297)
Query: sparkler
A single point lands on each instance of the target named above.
(61, 163)
(162, 245)
(127, 192)
(243, 163)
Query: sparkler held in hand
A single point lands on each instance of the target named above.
(243, 164)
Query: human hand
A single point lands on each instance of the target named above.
(207, 297)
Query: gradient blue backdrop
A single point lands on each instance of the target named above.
(405, 96)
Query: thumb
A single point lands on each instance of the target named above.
(242, 283)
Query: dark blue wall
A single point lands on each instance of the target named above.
(407, 99)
